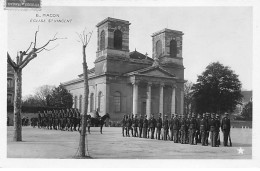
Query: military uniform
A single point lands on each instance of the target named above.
(225, 128)
(192, 129)
(135, 125)
(158, 127)
(123, 122)
(165, 128)
(183, 130)
(152, 124)
(213, 135)
(217, 130)
(187, 129)
(39, 119)
(176, 127)
(203, 130)
(208, 128)
(145, 127)
(140, 125)
(171, 128)
(198, 134)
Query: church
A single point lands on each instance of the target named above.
(124, 82)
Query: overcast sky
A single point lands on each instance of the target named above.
(211, 34)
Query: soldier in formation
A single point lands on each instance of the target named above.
(185, 130)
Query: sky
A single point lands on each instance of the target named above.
(211, 34)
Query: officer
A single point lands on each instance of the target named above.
(130, 121)
(135, 125)
(165, 128)
(192, 129)
(140, 125)
(197, 134)
(183, 129)
(225, 128)
(217, 130)
(152, 124)
(159, 126)
(213, 135)
(175, 128)
(203, 129)
(123, 122)
(179, 128)
(171, 127)
(145, 126)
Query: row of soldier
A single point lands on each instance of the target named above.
(65, 120)
(179, 128)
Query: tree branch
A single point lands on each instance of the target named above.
(30, 56)
(28, 48)
(11, 62)
(35, 37)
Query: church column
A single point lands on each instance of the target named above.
(135, 97)
(182, 101)
(173, 99)
(149, 99)
(161, 99)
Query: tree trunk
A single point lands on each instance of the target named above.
(17, 105)
(85, 109)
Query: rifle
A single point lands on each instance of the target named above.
(230, 143)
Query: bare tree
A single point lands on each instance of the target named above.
(42, 92)
(84, 39)
(22, 59)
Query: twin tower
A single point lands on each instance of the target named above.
(113, 43)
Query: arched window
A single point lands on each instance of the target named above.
(118, 39)
(80, 103)
(173, 48)
(102, 40)
(91, 102)
(117, 101)
(75, 102)
(100, 101)
(158, 48)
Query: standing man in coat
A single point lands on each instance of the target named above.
(135, 125)
(165, 128)
(140, 125)
(225, 128)
(213, 135)
(123, 122)
(152, 124)
(203, 129)
(192, 129)
(159, 126)
(145, 127)
(175, 127)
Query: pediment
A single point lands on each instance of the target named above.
(156, 72)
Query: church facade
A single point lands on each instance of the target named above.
(124, 82)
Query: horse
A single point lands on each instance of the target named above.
(99, 121)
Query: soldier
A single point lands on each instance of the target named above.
(39, 119)
(197, 134)
(171, 127)
(165, 128)
(187, 128)
(217, 130)
(183, 129)
(101, 122)
(140, 125)
(64, 120)
(213, 135)
(145, 127)
(225, 128)
(203, 129)
(88, 124)
(127, 125)
(207, 128)
(135, 125)
(159, 126)
(175, 128)
(130, 123)
(123, 122)
(192, 129)
(179, 128)
(152, 124)
(79, 119)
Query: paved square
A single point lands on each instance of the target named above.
(43, 143)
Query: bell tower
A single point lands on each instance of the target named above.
(113, 38)
(167, 46)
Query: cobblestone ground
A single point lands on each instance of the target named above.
(43, 143)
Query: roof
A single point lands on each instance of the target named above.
(148, 69)
(247, 95)
(89, 71)
(137, 55)
(167, 30)
(112, 19)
